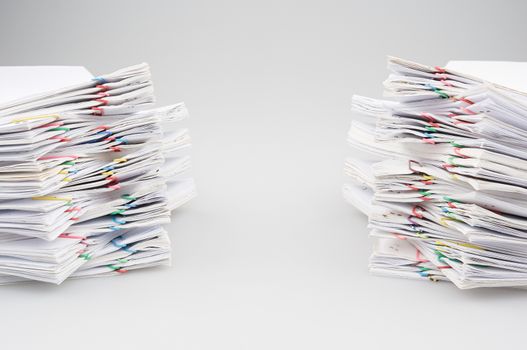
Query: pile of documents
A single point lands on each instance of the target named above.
(440, 169)
(89, 173)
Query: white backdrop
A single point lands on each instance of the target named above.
(268, 256)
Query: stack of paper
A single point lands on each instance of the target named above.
(89, 172)
(441, 172)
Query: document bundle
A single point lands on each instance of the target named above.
(89, 173)
(440, 169)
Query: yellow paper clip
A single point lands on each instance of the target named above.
(107, 173)
(51, 198)
(427, 177)
(120, 160)
(443, 221)
(25, 119)
(421, 235)
(469, 245)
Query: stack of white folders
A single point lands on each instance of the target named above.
(441, 172)
(89, 173)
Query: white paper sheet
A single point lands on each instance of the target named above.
(509, 74)
(18, 82)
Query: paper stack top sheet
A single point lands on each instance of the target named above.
(440, 168)
(509, 74)
(23, 81)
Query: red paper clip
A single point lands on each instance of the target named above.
(457, 151)
(102, 100)
(97, 111)
(72, 209)
(102, 87)
(415, 213)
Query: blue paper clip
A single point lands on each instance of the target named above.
(100, 80)
(118, 221)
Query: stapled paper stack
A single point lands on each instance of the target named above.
(89, 173)
(441, 171)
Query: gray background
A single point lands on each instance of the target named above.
(269, 255)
